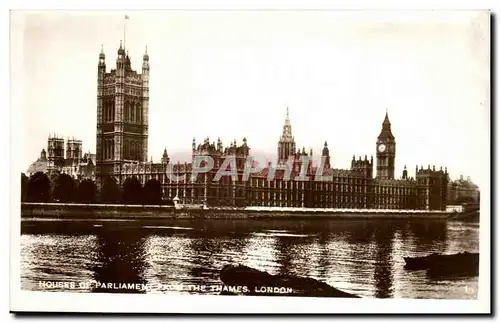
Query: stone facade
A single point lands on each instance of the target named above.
(463, 190)
(339, 188)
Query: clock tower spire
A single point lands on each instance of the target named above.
(386, 150)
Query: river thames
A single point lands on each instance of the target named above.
(363, 257)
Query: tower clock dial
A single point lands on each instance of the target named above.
(381, 148)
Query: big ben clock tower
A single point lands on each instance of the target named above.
(386, 151)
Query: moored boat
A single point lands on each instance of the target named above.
(418, 263)
(463, 263)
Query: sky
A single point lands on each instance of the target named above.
(231, 74)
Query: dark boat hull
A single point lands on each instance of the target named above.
(459, 265)
(418, 263)
(446, 265)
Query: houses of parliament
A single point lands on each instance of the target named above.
(122, 150)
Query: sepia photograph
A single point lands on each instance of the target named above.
(238, 155)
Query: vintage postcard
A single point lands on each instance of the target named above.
(277, 161)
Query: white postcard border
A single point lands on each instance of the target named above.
(64, 302)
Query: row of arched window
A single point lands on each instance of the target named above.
(132, 149)
(132, 112)
(108, 111)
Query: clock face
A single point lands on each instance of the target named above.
(381, 148)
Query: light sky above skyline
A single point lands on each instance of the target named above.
(231, 74)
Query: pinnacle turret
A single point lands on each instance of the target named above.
(121, 50)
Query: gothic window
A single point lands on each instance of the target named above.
(126, 111)
(131, 112)
(138, 110)
(133, 150)
(108, 112)
(105, 112)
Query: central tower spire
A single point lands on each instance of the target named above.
(286, 144)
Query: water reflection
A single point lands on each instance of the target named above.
(206, 251)
(323, 261)
(383, 236)
(119, 259)
(167, 259)
(361, 257)
(428, 235)
(260, 253)
(292, 254)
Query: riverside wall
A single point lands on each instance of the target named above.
(105, 211)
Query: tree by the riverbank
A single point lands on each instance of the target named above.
(38, 188)
(152, 193)
(61, 187)
(110, 192)
(64, 188)
(132, 191)
(86, 192)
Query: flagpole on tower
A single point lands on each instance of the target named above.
(125, 30)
